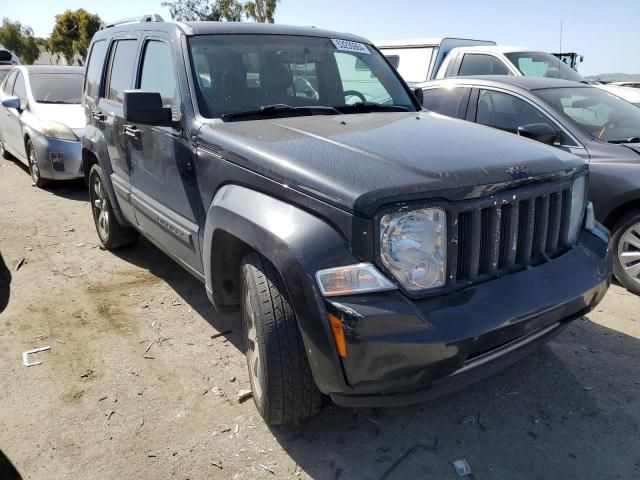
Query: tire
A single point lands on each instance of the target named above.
(625, 243)
(283, 388)
(112, 233)
(34, 167)
(3, 152)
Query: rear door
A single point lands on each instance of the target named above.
(12, 127)
(164, 191)
(108, 112)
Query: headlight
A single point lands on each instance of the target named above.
(56, 130)
(414, 247)
(578, 192)
(350, 279)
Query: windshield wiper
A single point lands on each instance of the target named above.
(625, 140)
(59, 102)
(280, 110)
(372, 107)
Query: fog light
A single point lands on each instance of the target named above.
(57, 159)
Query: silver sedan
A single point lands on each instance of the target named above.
(41, 120)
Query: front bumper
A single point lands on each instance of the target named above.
(401, 351)
(70, 153)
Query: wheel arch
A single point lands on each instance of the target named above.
(621, 210)
(296, 243)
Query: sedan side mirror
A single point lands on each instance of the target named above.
(12, 102)
(146, 108)
(419, 95)
(541, 132)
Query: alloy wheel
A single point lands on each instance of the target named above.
(100, 208)
(629, 252)
(33, 166)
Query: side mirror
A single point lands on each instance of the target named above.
(541, 132)
(419, 94)
(12, 102)
(146, 108)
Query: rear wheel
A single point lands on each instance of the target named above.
(112, 234)
(281, 381)
(34, 167)
(626, 247)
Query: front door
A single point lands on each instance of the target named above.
(11, 126)
(164, 192)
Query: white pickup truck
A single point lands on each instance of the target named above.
(437, 58)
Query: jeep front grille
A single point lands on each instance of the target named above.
(506, 232)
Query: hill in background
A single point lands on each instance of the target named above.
(615, 77)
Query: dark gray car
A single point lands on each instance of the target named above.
(578, 118)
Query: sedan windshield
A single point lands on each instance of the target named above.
(541, 64)
(599, 113)
(274, 75)
(56, 87)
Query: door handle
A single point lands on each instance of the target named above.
(131, 130)
(98, 115)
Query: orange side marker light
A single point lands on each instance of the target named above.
(338, 334)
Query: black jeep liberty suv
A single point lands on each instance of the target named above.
(379, 253)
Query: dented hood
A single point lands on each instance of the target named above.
(362, 161)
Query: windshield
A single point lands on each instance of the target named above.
(240, 73)
(56, 87)
(599, 113)
(541, 64)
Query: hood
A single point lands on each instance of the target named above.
(365, 160)
(70, 115)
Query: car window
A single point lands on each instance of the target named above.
(121, 71)
(541, 64)
(506, 112)
(20, 87)
(157, 71)
(357, 76)
(599, 113)
(94, 68)
(3, 73)
(8, 86)
(451, 102)
(480, 64)
(412, 63)
(56, 87)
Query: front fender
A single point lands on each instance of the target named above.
(298, 244)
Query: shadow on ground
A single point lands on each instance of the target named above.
(7, 470)
(5, 285)
(564, 412)
(146, 255)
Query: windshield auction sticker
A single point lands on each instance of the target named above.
(347, 46)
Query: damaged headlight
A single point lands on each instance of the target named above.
(578, 194)
(413, 247)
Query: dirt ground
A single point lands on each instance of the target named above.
(136, 387)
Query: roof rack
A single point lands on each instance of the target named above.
(154, 17)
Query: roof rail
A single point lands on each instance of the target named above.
(154, 17)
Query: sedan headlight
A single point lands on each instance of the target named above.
(413, 247)
(56, 130)
(578, 193)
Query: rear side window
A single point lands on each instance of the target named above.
(20, 88)
(94, 68)
(121, 71)
(477, 64)
(157, 71)
(451, 102)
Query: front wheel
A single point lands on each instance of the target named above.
(281, 381)
(34, 167)
(625, 243)
(112, 234)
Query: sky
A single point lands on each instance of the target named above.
(606, 33)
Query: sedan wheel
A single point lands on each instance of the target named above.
(34, 168)
(626, 246)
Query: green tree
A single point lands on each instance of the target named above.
(261, 11)
(19, 39)
(73, 32)
(205, 10)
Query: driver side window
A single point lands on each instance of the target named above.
(506, 112)
(20, 88)
(357, 76)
